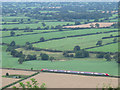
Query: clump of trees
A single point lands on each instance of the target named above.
(79, 53)
(99, 43)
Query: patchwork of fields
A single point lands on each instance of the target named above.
(36, 37)
(63, 36)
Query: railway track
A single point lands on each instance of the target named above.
(54, 72)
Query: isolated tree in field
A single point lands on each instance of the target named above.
(97, 25)
(43, 24)
(51, 58)
(42, 39)
(29, 19)
(65, 54)
(27, 43)
(115, 40)
(99, 43)
(76, 48)
(12, 33)
(44, 56)
(21, 60)
(92, 25)
(12, 43)
(108, 57)
(7, 74)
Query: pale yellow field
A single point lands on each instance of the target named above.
(101, 24)
(56, 80)
(7, 81)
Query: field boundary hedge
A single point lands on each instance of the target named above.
(19, 81)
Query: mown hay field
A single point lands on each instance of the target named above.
(55, 80)
(101, 24)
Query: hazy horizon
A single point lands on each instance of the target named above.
(59, 0)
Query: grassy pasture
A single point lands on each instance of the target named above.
(10, 18)
(69, 43)
(7, 33)
(35, 25)
(107, 48)
(86, 64)
(36, 37)
(77, 65)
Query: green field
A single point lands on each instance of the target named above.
(69, 43)
(36, 37)
(86, 64)
(7, 33)
(107, 48)
(35, 25)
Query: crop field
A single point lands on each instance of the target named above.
(21, 26)
(7, 81)
(107, 48)
(69, 43)
(78, 81)
(36, 37)
(102, 24)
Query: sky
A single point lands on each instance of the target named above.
(59, 0)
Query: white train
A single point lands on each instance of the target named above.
(74, 72)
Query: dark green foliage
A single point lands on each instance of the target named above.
(42, 39)
(44, 56)
(29, 46)
(12, 33)
(97, 25)
(65, 54)
(51, 58)
(100, 55)
(108, 57)
(21, 60)
(7, 74)
(43, 24)
(71, 55)
(30, 57)
(12, 43)
(81, 54)
(99, 43)
(15, 53)
(9, 48)
(115, 40)
(76, 48)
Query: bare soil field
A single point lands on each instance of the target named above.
(56, 80)
(7, 81)
(101, 25)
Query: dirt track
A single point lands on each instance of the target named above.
(55, 80)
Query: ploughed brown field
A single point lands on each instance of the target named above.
(101, 24)
(7, 81)
(57, 80)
